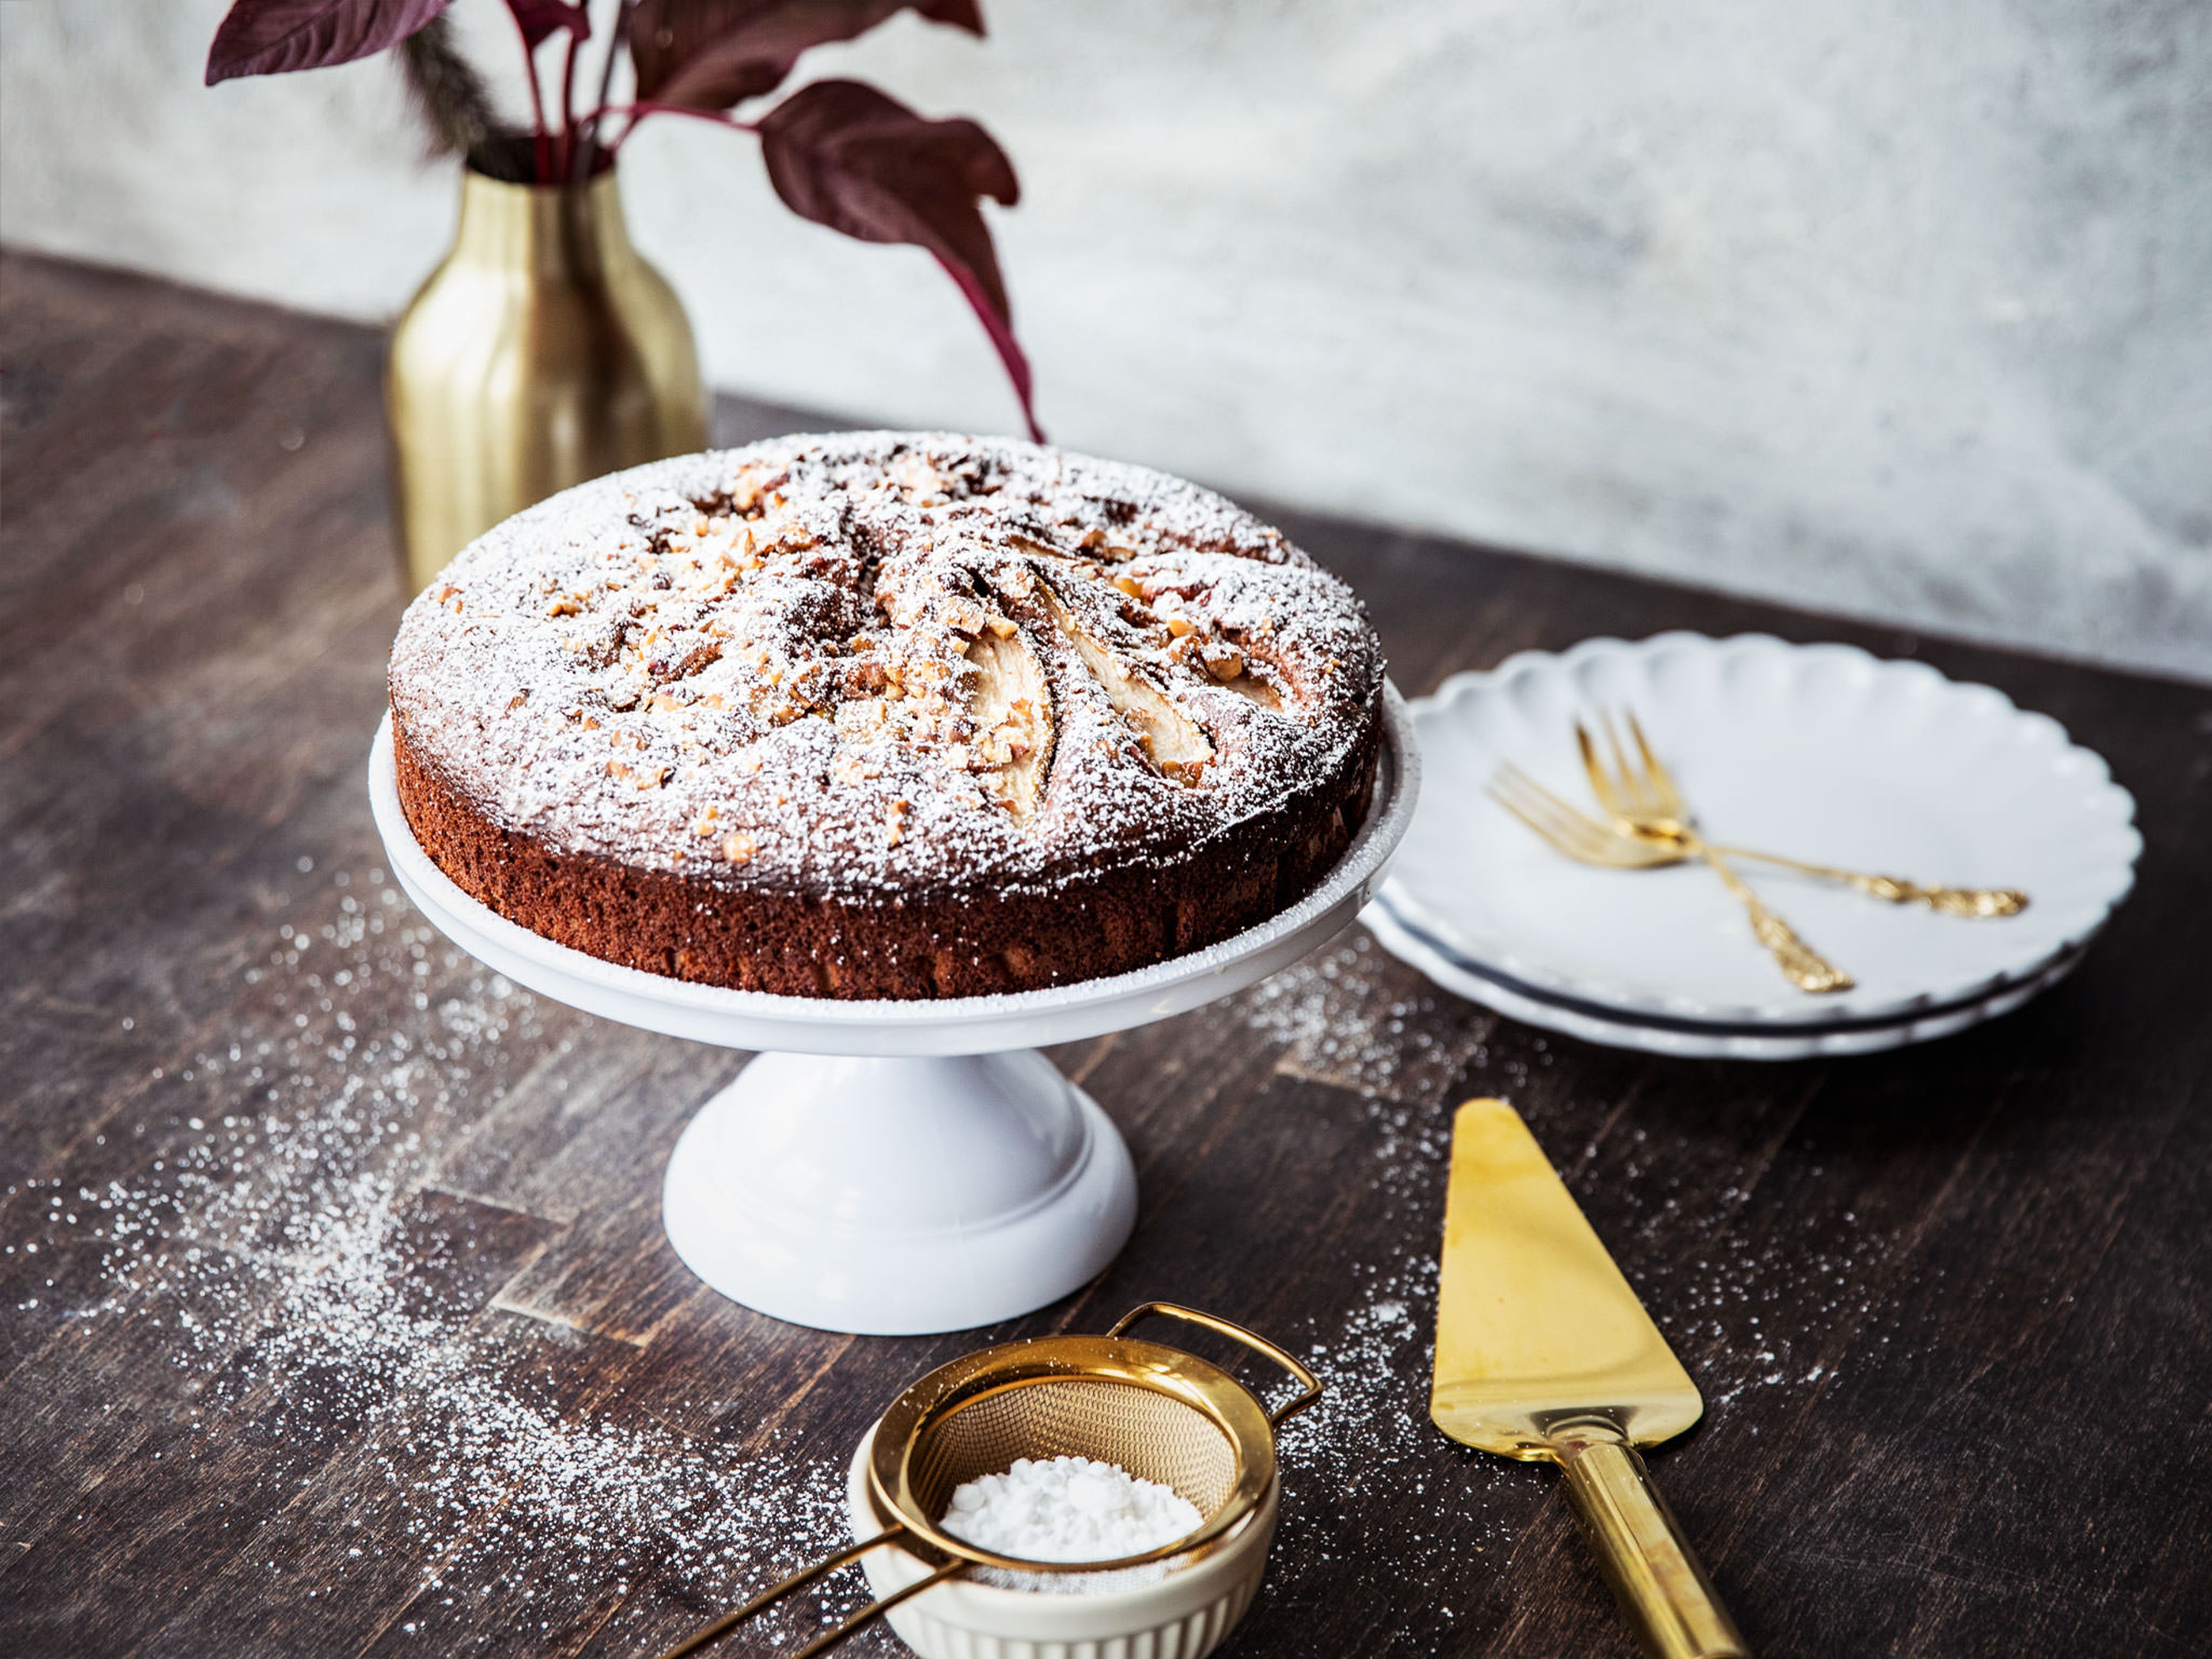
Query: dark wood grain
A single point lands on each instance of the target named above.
(412, 1371)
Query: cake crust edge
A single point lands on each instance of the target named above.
(1092, 924)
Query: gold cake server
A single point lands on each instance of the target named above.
(1544, 1353)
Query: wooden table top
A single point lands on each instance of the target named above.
(338, 1318)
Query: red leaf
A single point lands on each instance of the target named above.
(274, 37)
(845, 156)
(538, 19)
(711, 54)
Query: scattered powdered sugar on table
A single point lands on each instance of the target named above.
(279, 1231)
(1401, 1055)
(1346, 1017)
(1329, 1011)
(1068, 1508)
(262, 1205)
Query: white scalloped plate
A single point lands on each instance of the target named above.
(1821, 752)
(1687, 1040)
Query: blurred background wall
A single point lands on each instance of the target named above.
(1879, 306)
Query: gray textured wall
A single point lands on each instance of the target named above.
(1889, 308)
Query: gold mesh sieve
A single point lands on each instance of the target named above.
(1162, 1415)
(1154, 1436)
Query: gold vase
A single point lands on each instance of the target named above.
(543, 352)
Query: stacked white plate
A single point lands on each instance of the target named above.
(1821, 752)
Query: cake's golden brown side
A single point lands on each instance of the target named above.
(885, 715)
(974, 944)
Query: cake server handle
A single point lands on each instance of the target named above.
(1658, 1578)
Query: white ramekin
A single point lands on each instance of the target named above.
(1185, 1615)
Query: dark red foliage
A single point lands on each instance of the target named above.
(711, 54)
(839, 153)
(845, 156)
(273, 37)
(538, 18)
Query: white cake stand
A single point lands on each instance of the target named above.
(896, 1168)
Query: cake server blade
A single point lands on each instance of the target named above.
(1544, 1352)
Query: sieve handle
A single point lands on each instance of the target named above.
(1310, 1390)
(876, 1609)
(706, 1635)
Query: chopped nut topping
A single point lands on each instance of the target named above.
(855, 766)
(641, 777)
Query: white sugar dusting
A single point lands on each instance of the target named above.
(1331, 1013)
(764, 667)
(280, 1232)
(268, 1212)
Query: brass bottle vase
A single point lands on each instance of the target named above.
(543, 351)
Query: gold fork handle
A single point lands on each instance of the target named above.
(1802, 965)
(1951, 901)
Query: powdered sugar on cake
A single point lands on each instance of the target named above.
(883, 661)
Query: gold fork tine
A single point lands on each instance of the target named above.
(1627, 779)
(1668, 794)
(1561, 838)
(1540, 802)
(1515, 778)
(1528, 801)
(1571, 830)
(1601, 784)
(1539, 825)
(1540, 810)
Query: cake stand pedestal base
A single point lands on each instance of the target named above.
(900, 1167)
(895, 1196)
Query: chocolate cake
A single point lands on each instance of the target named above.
(885, 715)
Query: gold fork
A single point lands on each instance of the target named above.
(1585, 839)
(1650, 805)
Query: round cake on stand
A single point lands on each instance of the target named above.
(891, 756)
(897, 1167)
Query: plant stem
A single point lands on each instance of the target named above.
(591, 150)
(567, 102)
(541, 141)
(637, 112)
